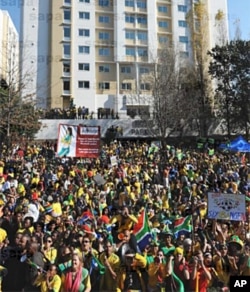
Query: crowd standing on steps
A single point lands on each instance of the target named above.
(68, 224)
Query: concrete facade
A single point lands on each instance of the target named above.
(9, 51)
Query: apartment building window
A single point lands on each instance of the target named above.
(130, 51)
(83, 84)
(83, 49)
(67, 1)
(104, 35)
(143, 36)
(104, 52)
(66, 85)
(130, 35)
(66, 50)
(182, 23)
(129, 3)
(163, 39)
(126, 70)
(66, 32)
(183, 39)
(142, 19)
(126, 86)
(130, 18)
(104, 85)
(142, 52)
(182, 8)
(162, 9)
(84, 1)
(141, 4)
(83, 66)
(66, 67)
(84, 32)
(103, 2)
(104, 19)
(144, 70)
(162, 23)
(66, 14)
(145, 86)
(104, 68)
(84, 15)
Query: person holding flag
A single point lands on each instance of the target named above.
(178, 273)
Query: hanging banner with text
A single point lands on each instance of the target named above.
(226, 207)
(78, 141)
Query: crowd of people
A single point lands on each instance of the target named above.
(67, 224)
(77, 113)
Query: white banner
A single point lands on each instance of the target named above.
(226, 207)
(113, 161)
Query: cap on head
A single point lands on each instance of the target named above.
(34, 196)
(178, 250)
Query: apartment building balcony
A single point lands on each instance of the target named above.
(66, 92)
(67, 3)
(66, 74)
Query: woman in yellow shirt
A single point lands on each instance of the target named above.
(49, 251)
(49, 281)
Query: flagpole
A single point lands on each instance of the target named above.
(192, 220)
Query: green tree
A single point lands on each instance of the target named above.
(230, 67)
(173, 106)
(198, 22)
(17, 117)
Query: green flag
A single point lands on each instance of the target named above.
(97, 265)
(179, 155)
(211, 152)
(211, 140)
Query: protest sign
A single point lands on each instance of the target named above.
(226, 206)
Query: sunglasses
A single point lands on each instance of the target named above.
(86, 241)
(49, 241)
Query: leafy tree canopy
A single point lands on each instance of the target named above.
(230, 67)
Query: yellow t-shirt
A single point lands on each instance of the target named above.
(51, 255)
(35, 180)
(80, 192)
(107, 282)
(21, 189)
(56, 209)
(55, 283)
(31, 230)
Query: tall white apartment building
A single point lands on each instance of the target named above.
(96, 53)
(9, 51)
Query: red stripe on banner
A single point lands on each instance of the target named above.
(179, 221)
